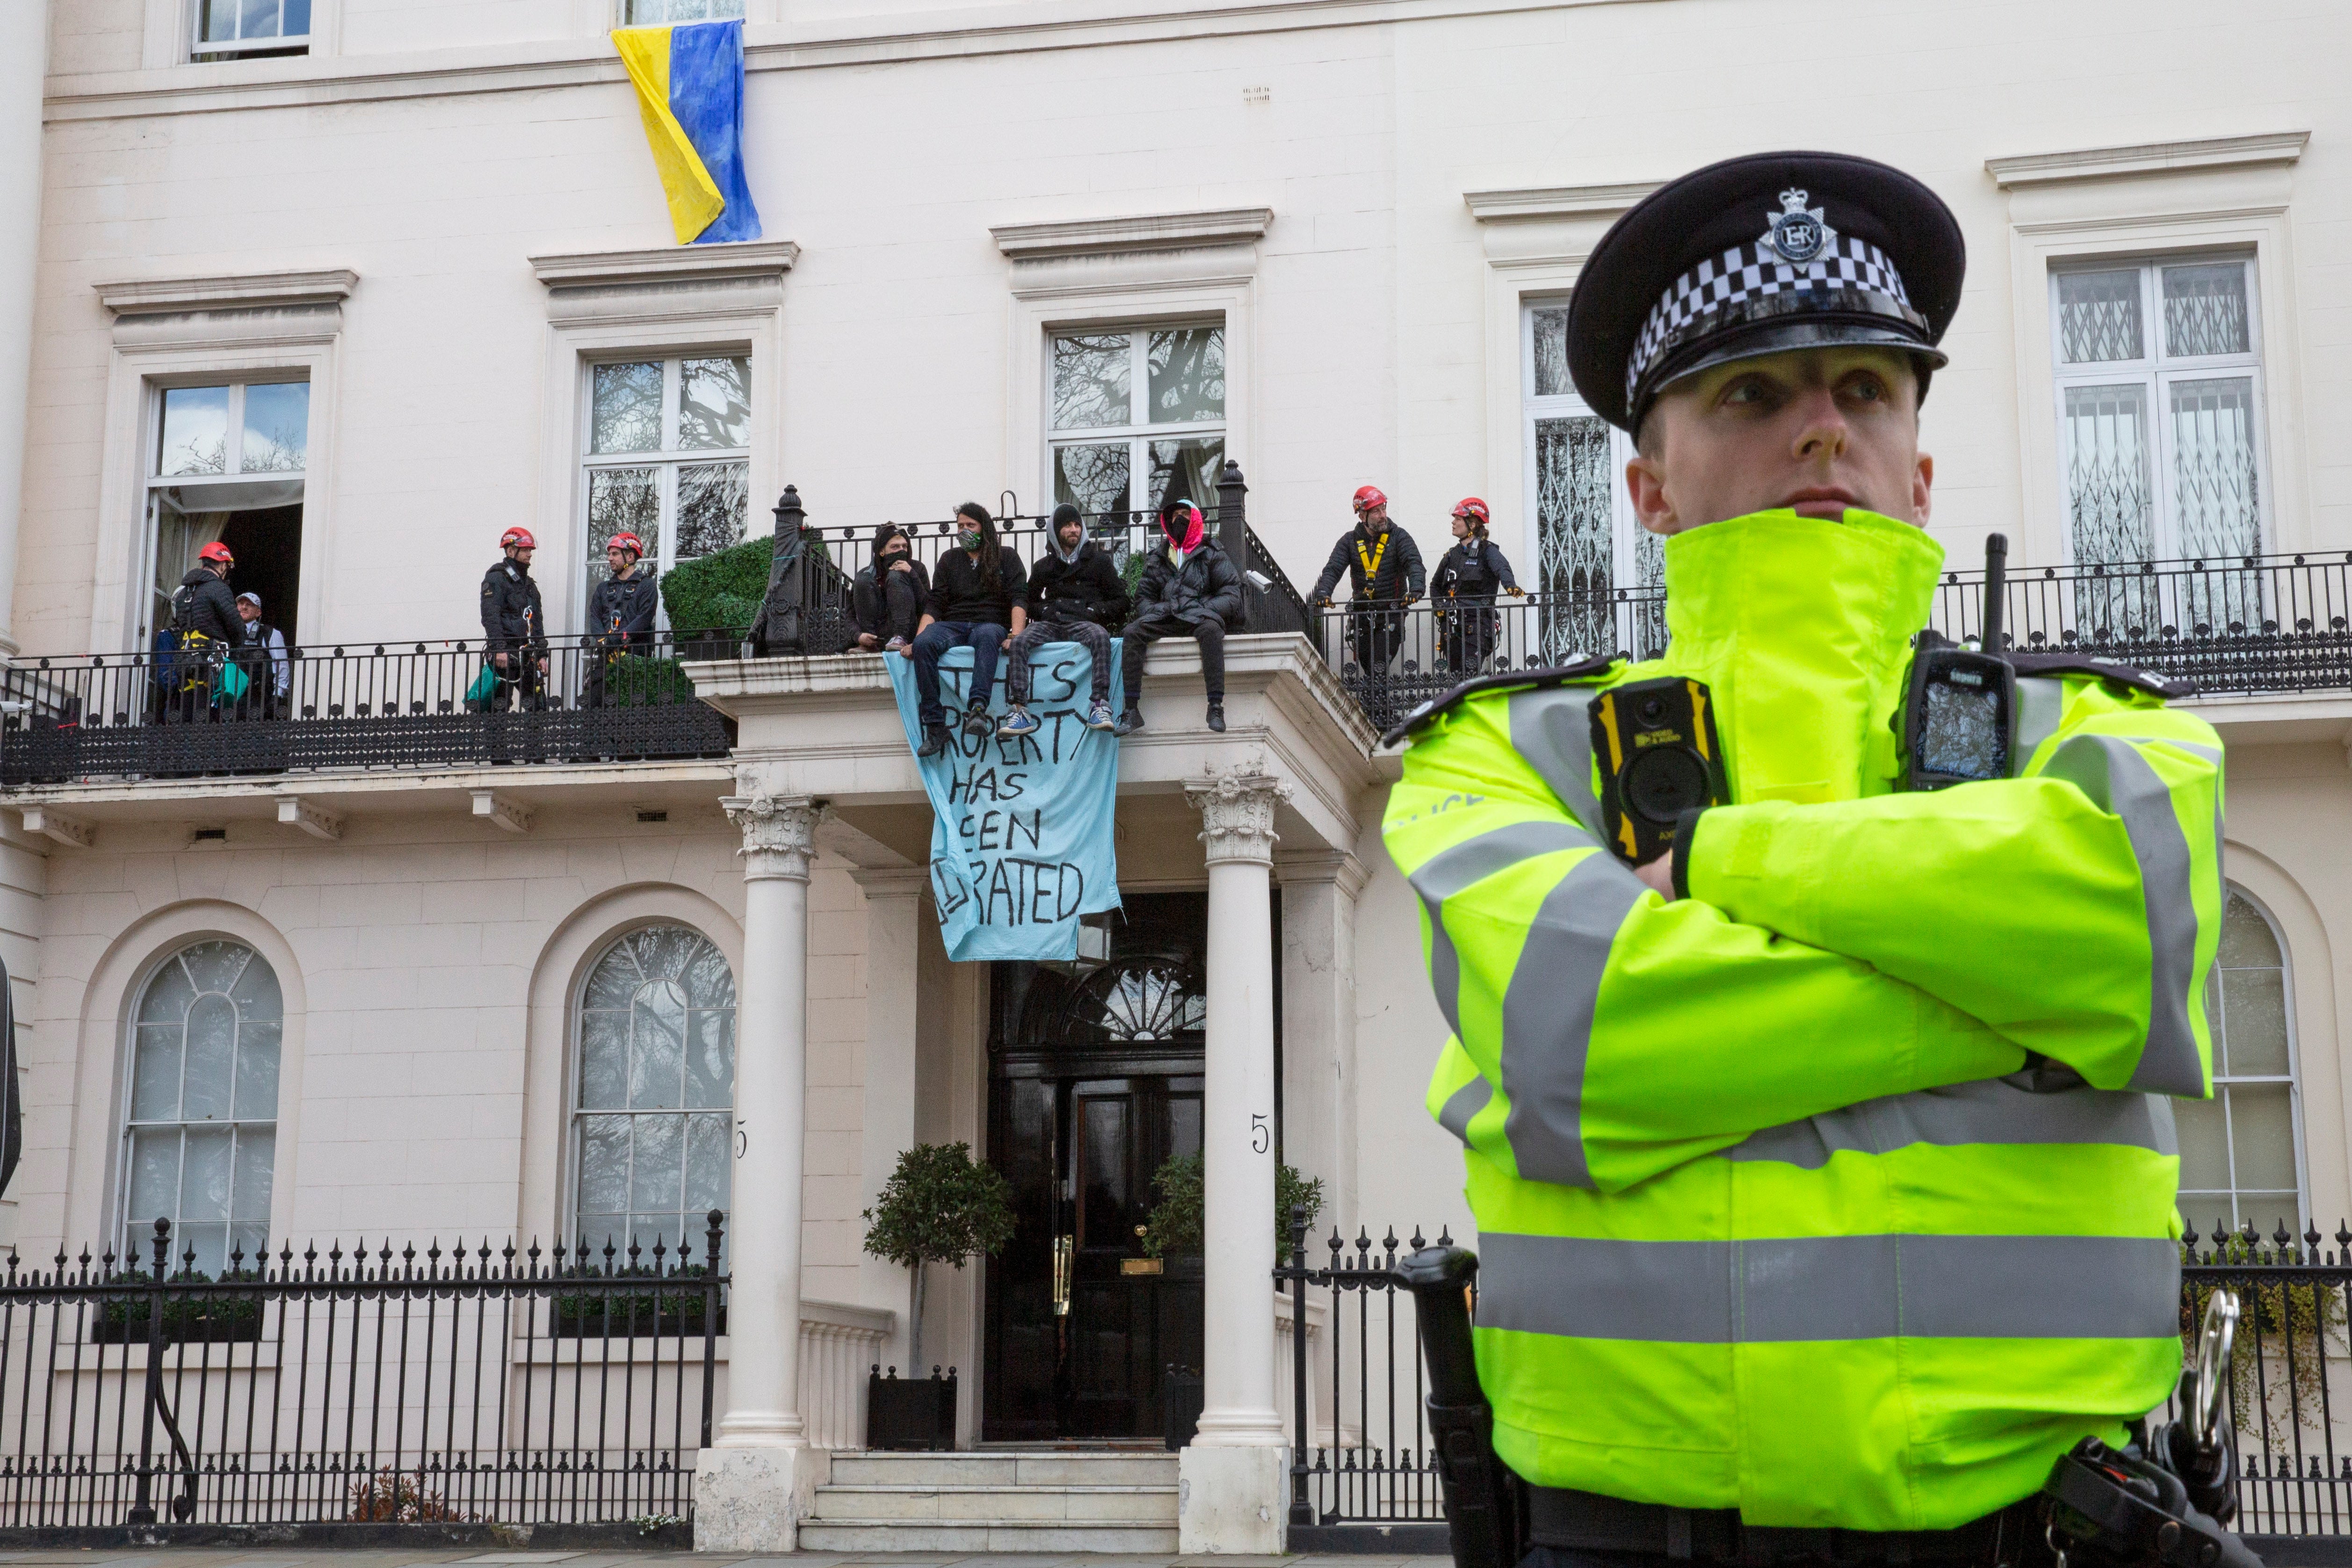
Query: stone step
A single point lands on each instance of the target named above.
(1114, 1505)
(863, 1535)
(1005, 1469)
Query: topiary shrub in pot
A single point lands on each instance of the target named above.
(941, 1205)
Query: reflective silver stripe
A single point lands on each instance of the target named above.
(1831, 1288)
(1547, 1016)
(1989, 1111)
(2118, 779)
(1553, 731)
(2041, 704)
(1462, 1104)
(1464, 865)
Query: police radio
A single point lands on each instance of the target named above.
(1659, 758)
(1961, 724)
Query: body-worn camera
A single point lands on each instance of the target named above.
(1659, 757)
(1961, 722)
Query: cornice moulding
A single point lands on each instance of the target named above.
(1151, 232)
(765, 260)
(242, 291)
(1556, 202)
(2212, 154)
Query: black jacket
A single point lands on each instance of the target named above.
(204, 603)
(958, 593)
(895, 608)
(1206, 584)
(621, 612)
(1087, 589)
(1399, 562)
(511, 615)
(1473, 570)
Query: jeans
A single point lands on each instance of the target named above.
(984, 638)
(1037, 635)
(1140, 634)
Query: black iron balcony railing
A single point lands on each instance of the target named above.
(2252, 625)
(427, 705)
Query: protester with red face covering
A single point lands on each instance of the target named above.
(1384, 571)
(1189, 590)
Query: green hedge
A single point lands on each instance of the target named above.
(721, 591)
(634, 681)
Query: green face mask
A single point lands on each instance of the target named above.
(969, 538)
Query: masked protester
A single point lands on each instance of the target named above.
(885, 599)
(1824, 1185)
(621, 613)
(977, 602)
(1076, 595)
(514, 629)
(1384, 574)
(1463, 590)
(1191, 589)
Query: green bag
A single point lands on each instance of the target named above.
(233, 683)
(484, 684)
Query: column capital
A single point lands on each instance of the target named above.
(779, 833)
(1339, 867)
(1236, 809)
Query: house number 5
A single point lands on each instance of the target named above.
(1261, 1136)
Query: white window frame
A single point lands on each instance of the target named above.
(2292, 1079)
(621, 17)
(145, 612)
(1625, 529)
(198, 47)
(1139, 437)
(2160, 372)
(667, 459)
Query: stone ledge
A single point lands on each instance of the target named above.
(2202, 156)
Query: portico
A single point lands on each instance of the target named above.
(824, 770)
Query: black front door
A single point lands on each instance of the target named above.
(1095, 1085)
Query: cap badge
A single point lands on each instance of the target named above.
(1797, 234)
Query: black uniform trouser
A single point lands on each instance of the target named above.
(1208, 630)
(519, 685)
(1374, 636)
(1469, 638)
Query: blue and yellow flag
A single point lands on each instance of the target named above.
(689, 81)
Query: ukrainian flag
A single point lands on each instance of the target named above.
(689, 81)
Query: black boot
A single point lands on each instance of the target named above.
(976, 720)
(1130, 721)
(1217, 715)
(935, 740)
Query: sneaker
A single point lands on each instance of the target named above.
(894, 645)
(1017, 722)
(976, 720)
(1128, 723)
(935, 740)
(1100, 718)
(1217, 717)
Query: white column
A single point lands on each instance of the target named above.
(1319, 887)
(894, 931)
(1235, 1465)
(22, 69)
(755, 1486)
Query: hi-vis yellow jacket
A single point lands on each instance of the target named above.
(1787, 1199)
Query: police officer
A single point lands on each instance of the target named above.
(514, 626)
(621, 612)
(1821, 1171)
(1462, 589)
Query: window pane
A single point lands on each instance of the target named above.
(276, 427)
(1091, 382)
(712, 499)
(2106, 473)
(216, 20)
(1575, 537)
(155, 1075)
(1185, 469)
(710, 983)
(258, 20)
(708, 1151)
(257, 1149)
(2246, 939)
(195, 431)
(212, 1059)
(2253, 1023)
(2205, 310)
(154, 1183)
(2213, 481)
(711, 1060)
(656, 1175)
(603, 1166)
(1549, 325)
(1091, 478)
(298, 18)
(215, 965)
(613, 982)
(657, 1048)
(1188, 374)
(2261, 1135)
(625, 413)
(604, 1061)
(256, 993)
(714, 405)
(204, 1174)
(257, 1071)
(2099, 317)
(168, 995)
(620, 500)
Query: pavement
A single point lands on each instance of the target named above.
(474, 1557)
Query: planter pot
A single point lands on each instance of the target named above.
(910, 1412)
(1180, 1398)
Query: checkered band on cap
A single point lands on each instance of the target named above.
(1746, 273)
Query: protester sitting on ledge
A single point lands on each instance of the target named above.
(1076, 595)
(886, 600)
(1189, 590)
(976, 602)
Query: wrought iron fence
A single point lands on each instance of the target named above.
(461, 1387)
(163, 715)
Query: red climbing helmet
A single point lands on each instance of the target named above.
(1369, 497)
(216, 552)
(630, 542)
(1472, 506)
(516, 538)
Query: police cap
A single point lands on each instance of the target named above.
(1756, 256)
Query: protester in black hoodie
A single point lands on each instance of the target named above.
(977, 602)
(1189, 590)
(886, 598)
(1076, 595)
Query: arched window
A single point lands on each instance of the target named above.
(2241, 1152)
(654, 1126)
(202, 1136)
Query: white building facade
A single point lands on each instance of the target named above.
(356, 285)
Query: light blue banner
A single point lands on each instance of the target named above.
(1022, 840)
